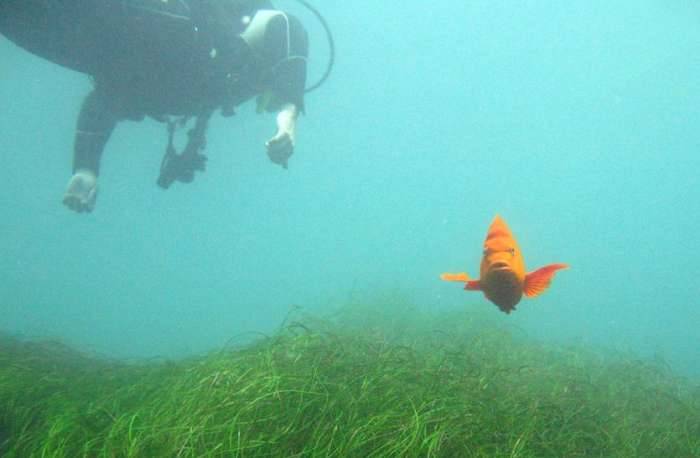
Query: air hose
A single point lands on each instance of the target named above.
(331, 46)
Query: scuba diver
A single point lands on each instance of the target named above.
(170, 60)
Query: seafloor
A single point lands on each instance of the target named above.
(374, 380)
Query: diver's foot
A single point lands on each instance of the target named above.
(81, 192)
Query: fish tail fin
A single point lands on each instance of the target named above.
(538, 281)
(461, 277)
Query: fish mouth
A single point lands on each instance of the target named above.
(500, 266)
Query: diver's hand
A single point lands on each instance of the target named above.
(81, 192)
(281, 147)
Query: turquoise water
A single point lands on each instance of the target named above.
(578, 122)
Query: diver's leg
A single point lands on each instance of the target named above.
(95, 125)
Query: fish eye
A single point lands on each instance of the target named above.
(511, 251)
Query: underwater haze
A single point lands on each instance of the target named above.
(577, 122)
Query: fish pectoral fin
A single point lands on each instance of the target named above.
(473, 285)
(461, 277)
(538, 281)
(470, 285)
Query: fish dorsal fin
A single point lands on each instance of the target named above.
(538, 281)
(461, 277)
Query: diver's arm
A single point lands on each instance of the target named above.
(95, 125)
(281, 146)
(279, 43)
(287, 88)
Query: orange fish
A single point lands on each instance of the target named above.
(503, 278)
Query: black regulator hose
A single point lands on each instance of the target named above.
(331, 46)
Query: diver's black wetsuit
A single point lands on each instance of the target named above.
(156, 58)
